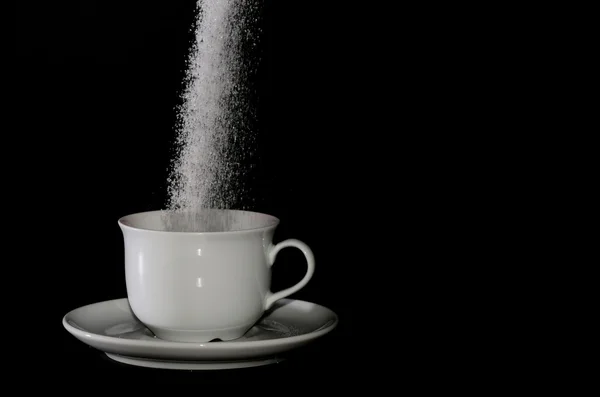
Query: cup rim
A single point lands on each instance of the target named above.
(275, 222)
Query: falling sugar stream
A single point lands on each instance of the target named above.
(214, 121)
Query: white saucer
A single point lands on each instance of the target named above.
(111, 327)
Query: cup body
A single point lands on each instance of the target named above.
(197, 286)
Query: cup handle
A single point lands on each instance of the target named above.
(310, 259)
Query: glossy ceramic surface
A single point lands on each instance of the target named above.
(199, 286)
(112, 327)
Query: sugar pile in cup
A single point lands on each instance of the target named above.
(215, 136)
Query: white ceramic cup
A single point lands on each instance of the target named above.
(198, 285)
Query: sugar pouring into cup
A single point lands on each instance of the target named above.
(202, 284)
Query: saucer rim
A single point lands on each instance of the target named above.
(229, 345)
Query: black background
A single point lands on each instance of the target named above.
(391, 141)
(98, 85)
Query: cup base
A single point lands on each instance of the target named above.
(225, 334)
